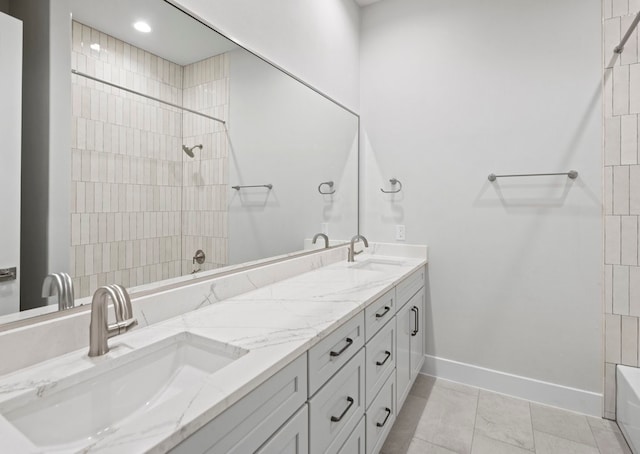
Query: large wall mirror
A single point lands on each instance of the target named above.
(190, 154)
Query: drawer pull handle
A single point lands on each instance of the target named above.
(416, 317)
(381, 424)
(349, 342)
(381, 363)
(383, 313)
(338, 418)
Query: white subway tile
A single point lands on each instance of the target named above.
(620, 7)
(612, 338)
(634, 88)
(111, 227)
(88, 260)
(621, 304)
(79, 259)
(624, 96)
(634, 190)
(629, 337)
(84, 228)
(621, 195)
(629, 139)
(608, 289)
(612, 239)
(629, 240)
(634, 290)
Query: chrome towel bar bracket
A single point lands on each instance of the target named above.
(573, 174)
(328, 183)
(393, 182)
(8, 274)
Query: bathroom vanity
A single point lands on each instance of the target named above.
(319, 362)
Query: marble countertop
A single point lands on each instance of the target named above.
(275, 324)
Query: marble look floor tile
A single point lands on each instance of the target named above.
(561, 423)
(448, 419)
(422, 386)
(602, 423)
(608, 436)
(418, 446)
(550, 444)
(504, 419)
(459, 387)
(486, 445)
(401, 433)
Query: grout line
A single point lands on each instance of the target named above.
(475, 420)
(533, 432)
(594, 438)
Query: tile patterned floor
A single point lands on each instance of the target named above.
(442, 417)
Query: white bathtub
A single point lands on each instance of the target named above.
(628, 404)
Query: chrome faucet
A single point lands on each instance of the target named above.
(62, 285)
(318, 235)
(100, 330)
(352, 252)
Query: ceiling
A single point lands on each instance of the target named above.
(174, 36)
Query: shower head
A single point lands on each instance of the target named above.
(189, 151)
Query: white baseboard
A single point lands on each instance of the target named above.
(578, 400)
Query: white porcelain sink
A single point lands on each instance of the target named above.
(377, 264)
(82, 408)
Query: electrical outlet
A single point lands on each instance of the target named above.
(400, 233)
(324, 227)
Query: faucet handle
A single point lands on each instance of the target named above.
(62, 285)
(122, 327)
(122, 304)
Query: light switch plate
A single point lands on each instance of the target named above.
(400, 233)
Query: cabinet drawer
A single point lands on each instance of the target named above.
(255, 418)
(408, 287)
(380, 355)
(331, 353)
(336, 409)
(379, 312)
(381, 416)
(292, 438)
(355, 444)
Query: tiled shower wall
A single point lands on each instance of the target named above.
(621, 194)
(204, 196)
(127, 166)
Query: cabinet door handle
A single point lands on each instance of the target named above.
(383, 313)
(381, 424)
(338, 353)
(338, 418)
(381, 363)
(416, 318)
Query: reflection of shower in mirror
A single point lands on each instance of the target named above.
(189, 151)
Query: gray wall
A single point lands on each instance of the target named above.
(317, 40)
(453, 91)
(283, 133)
(59, 221)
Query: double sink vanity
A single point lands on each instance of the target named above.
(314, 362)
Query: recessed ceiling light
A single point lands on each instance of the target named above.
(142, 26)
(95, 46)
